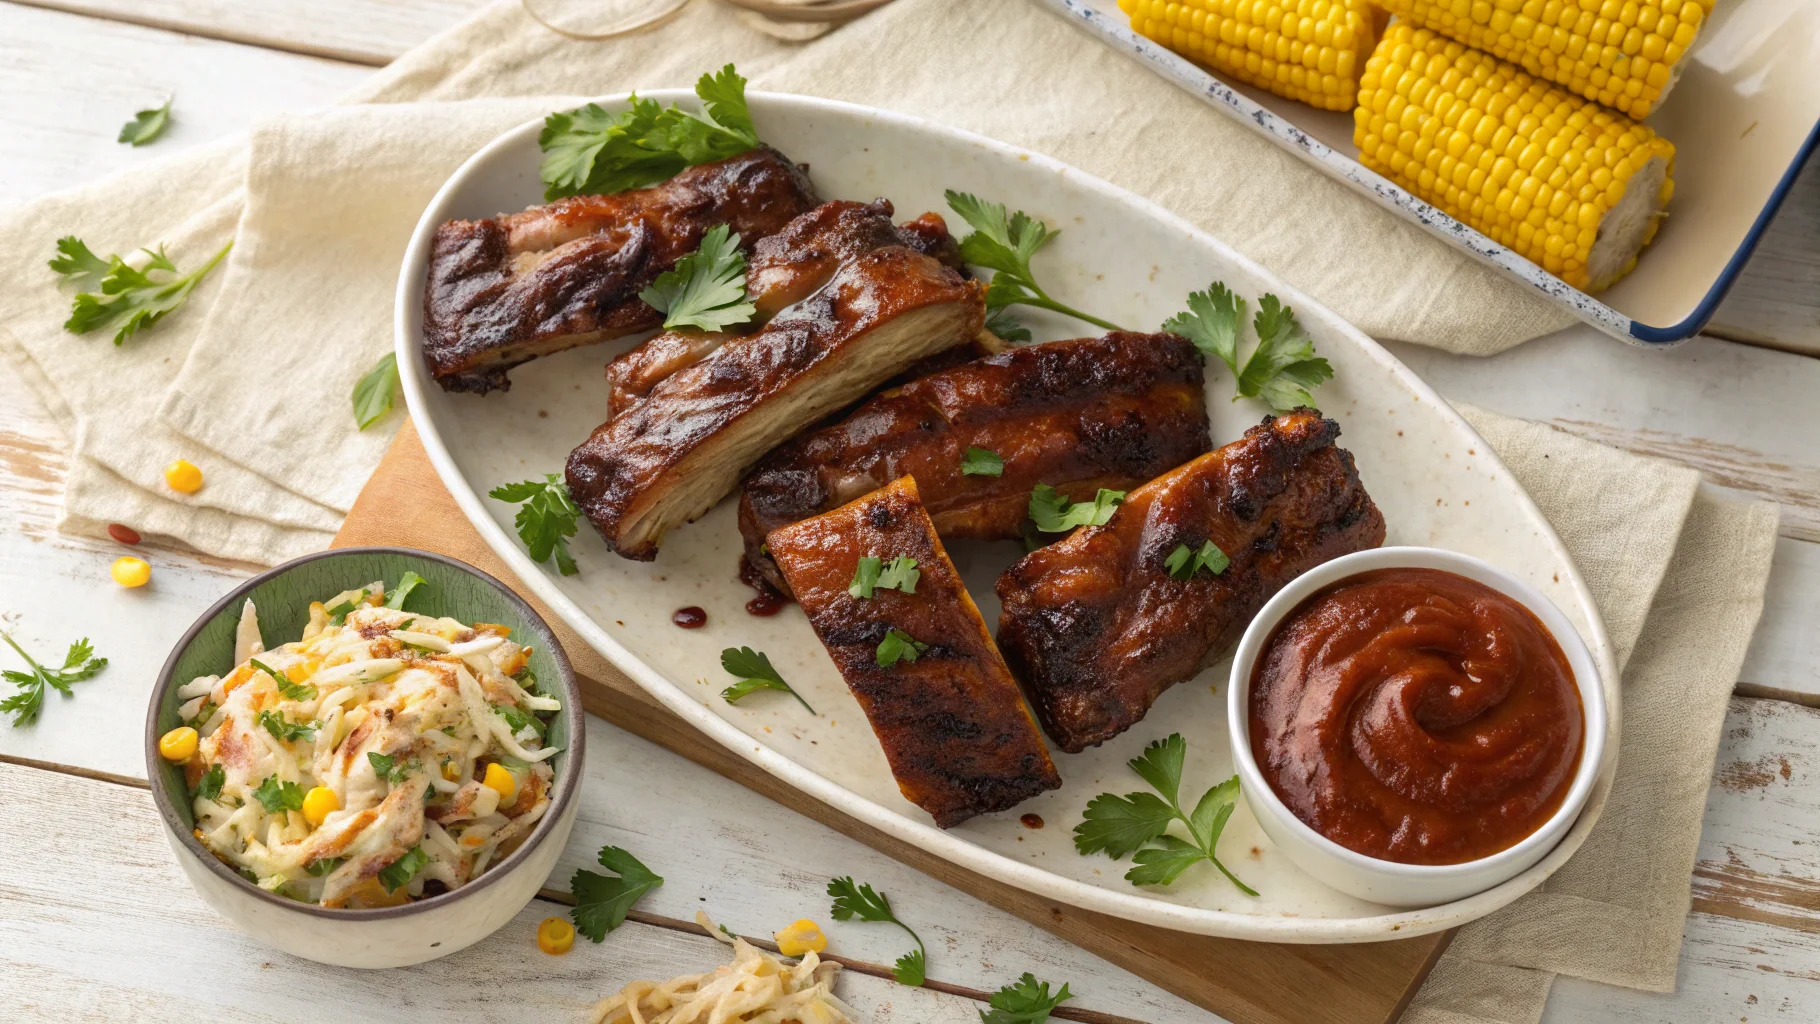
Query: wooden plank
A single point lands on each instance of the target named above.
(70, 82)
(358, 31)
(1750, 946)
(1744, 416)
(1776, 300)
(115, 934)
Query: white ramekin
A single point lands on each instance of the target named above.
(1383, 881)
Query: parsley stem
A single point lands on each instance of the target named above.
(28, 658)
(1045, 302)
(1246, 889)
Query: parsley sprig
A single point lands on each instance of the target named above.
(852, 900)
(1004, 244)
(127, 298)
(209, 786)
(1184, 561)
(1053, 513)
(1026, 1001)
(286, 688)
(602, 901)
(285, 730)
(1282, 370)
(898, 646)
(547, 517)
(387, 767)
(589, 150)
(398, 874)
(78, 664)
(277, 796)
(982, 461)
(146, 125)
(707, 288)
(1138, 822)
(754, 672)
(373, 391)
(873, 574)
(407, 583)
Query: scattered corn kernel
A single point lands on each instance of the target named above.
(183, 476)
(555, 936)
(319, 803)
(178, 744)
(805, 936)
(131, 572)
(500, 781)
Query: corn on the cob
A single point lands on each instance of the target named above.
(1622, 53)
(1307, 50)
(1563, 182)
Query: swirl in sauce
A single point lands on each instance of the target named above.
(1417, 716)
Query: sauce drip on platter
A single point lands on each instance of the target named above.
(1416, 716)
(691, 617)
(770, 600)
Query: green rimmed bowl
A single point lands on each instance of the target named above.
(388, 936)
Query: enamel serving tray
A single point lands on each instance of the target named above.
(1744, 118)
(1118, 256)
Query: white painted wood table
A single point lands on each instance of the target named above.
(97, 924)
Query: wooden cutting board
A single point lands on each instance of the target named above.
(405, 505)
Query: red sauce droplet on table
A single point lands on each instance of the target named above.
(690, 617)
(1032, 820)
(123, 534)
(770, 600)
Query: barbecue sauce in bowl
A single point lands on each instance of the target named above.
(1416, 716)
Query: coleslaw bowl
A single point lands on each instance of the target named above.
(414, 932)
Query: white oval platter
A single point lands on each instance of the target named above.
(1122, 258)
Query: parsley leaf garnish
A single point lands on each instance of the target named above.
(601, 901)
(398, 874)
(78, 664)
(373, 391)
(851, 901)
(754, 671)
(277, 796)
(408, 582)
(1282, 370)
(1138, 822)
(146, 125)
(142, 296)
(898, 646)
(290, 690)
(517, 718)
(874, 574)
(387, 767)
(1027, 1001)
(1006, 326)
(1053, 513)
(982, 462)
(1184, 561)
(546, 519)
(286, 731)
(324, 865)
(588, 150)
(209, 786)
(1004, 245)
(707, 288)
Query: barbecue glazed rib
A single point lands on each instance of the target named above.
(1078, 415)
(671, 457)
(505, 290)
(953, 724)
(1097, 628)
(785, 268)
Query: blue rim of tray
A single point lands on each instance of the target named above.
(1191, 77)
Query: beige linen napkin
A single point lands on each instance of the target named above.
(1679, 575)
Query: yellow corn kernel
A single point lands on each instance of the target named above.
(805, 936)
(555, 936)
(131, 572)
(1308, 52)
(183, 476)
(178, 744)
(500, 781)
(319, 803)
(1568, 185)
(1624, 55)
(451, 771)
